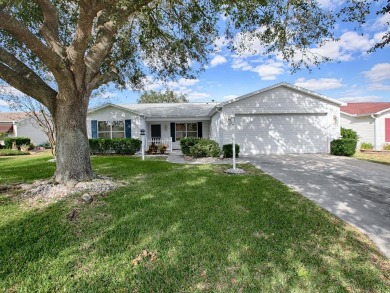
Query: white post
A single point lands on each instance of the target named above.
(234, 141)
(143, 147)
(143, 143)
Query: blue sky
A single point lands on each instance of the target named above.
(353, 76)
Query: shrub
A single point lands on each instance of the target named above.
(8, 152)
(343, 147)
(18, 140)
(386, 147)
(205, 148)
(349, 133)
(120, 146)
(186, 144)
(366, 146)
(227, 150)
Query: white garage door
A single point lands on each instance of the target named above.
(282, 134)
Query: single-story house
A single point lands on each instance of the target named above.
(279, 119)
(371, 121)
(19, 124)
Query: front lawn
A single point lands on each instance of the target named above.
(179, 228)
(382, 158)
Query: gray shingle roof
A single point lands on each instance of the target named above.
(13, 116)
(172, 110)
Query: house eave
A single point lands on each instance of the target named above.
(287, 85)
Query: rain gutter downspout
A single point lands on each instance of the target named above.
(373, 116)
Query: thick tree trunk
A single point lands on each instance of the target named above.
(72, 146)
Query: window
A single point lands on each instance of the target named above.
(111, 129)
(186, 130)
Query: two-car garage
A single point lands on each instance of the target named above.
(280, 119)
(281, 133)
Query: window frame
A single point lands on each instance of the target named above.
(110, 131)
(186, 131)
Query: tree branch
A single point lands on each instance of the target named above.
(18, 75)
(21, 33)
(49, 29)
(101, 79)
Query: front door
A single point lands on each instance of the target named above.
(156, 130)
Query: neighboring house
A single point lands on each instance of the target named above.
(19, 124)
(371, 121)
(278, 119)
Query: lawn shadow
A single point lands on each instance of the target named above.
(209, 232)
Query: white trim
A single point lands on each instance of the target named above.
(290, 86)
(174, 119)
(366, 114)
(115, 106)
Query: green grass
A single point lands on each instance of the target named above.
(381, 158)
(209, 231)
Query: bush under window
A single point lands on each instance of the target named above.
(19, 141)
(186, 144)
(120, 146)
(205, 148)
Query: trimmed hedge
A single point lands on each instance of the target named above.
(120, 146)
(227, 150)
(343, 147)
(349, 133)
(19, 141)
(7, 152)
(186, 144)
(205, 148)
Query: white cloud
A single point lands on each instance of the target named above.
(7, 90)
(319, 84)
(269, 70)
(382, 21)
(195, 96)
(4, 103)
(329, 4)
(378, 72)
(182, 82)
(218, 60)
(379, 87)
(220, 42)
(359, 99)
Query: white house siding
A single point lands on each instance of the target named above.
(287, 101)
(28, 128)
(364, 126)
(380, 130)
(115, 114)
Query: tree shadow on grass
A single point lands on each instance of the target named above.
(208, 232)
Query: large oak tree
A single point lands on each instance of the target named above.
(85, 44)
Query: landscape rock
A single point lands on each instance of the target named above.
(235, 171)
(86, 198)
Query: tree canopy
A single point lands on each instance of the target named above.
(84, 44)
(161, 97)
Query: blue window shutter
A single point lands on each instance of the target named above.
(127, 128)
(200, 130)
(173, 132)
(94, 128)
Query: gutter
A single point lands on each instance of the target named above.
(374, 116)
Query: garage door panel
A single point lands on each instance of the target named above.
(281, 134)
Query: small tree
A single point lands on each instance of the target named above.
(162, 97)
(38, 114)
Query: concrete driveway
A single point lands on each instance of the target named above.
(356, 191)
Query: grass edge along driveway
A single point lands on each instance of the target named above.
(179, 228)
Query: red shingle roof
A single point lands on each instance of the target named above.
(12, 116)
(364, 108)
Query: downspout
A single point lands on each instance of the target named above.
(15, 127)
(373, 116)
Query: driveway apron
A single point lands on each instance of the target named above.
(356, 191)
